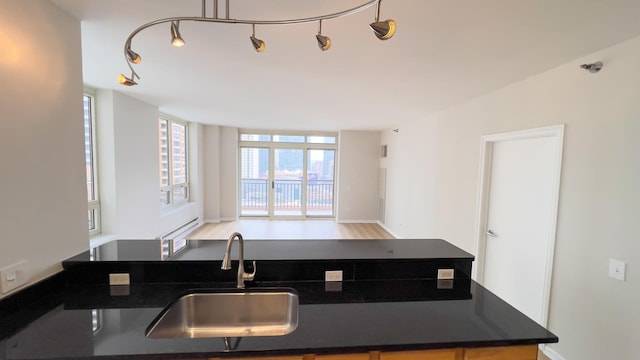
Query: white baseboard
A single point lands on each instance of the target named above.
(356, 221)
(382, 225)
(552, 354)
(217, 221)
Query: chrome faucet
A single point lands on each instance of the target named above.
(226, 261)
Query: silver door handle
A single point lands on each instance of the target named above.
(491, 233)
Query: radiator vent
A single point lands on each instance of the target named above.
(182, 230)
(175, 240)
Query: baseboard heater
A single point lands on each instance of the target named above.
(182, 230)
(174, 241)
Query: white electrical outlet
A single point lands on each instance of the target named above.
(119, 279)
(13, 276)
(333, 275)
(445, 274)
(617, 269)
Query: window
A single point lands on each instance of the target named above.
(289, 138)
(255, 137)
(174, 180)
(90, 165)
(287, 174)
(321, 139)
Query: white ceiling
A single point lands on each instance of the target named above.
(444, 52)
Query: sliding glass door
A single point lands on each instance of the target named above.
(287, 181)
(288, 175)
(320, 171)
(254, 174)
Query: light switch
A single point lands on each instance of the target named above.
(617, 269)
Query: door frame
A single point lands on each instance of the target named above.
(482, 213)
(272, 147)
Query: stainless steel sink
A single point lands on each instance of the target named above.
(228, 313)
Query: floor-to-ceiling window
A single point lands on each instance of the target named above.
(173, 161)
(287, 175)
(91, 163)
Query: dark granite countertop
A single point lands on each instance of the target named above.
(390, 300)
(79, 322)
(168, 261)
(281, 250)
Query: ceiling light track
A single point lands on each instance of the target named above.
(383, 30)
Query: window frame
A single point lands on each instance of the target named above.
(168, 191)
(93, 205)
(273, 142)
(246, 140)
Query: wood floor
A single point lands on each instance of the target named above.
(289, 229)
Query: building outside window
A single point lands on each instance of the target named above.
(174, 177)
(91, 165)
(287, 174)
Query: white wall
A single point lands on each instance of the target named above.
(433, 170)
(359, 155)
(212, 173)
(221, 171)
(229, 173)
(128, 155)
(196, 168)
(43, 213)
(106, 155)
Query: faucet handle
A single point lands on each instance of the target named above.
(250, 276)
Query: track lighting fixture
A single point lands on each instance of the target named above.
(383, 30)
(176, 38)
(257, 43)
(324, 42)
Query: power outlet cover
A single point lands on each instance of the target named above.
(333, 275)
(119, 279)
(14, 276)
(446, 274)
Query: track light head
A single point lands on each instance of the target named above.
(383, 30)
(324, 42)
(257, 44)
(123, 80)
(176, 38)
(133, 56)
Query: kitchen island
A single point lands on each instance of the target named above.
(363, 317)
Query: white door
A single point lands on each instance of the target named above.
(521, 211)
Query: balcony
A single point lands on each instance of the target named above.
(287, 198)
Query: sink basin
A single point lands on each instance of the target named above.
(228, 313)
